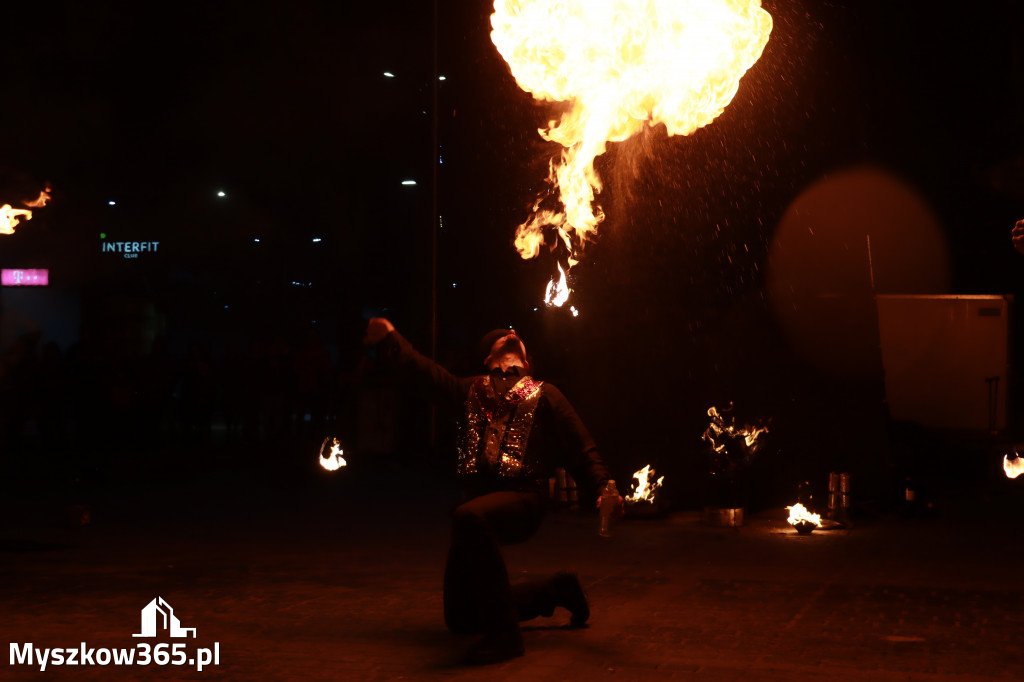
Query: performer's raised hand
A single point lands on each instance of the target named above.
(1018, 236)
(377, 329)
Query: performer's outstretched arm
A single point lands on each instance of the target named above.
(392, 346)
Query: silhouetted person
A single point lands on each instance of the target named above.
(198, 390)
(277, 388)
(52, 406)
(156, 381)
(18, 366)
(1017, 234)
(252, 391)
(313, 373)
(516, 431)
(234, 384)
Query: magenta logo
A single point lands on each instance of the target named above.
(39, 277)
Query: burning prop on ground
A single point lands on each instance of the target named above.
(11, 217)
(618, 66)
(732, 447)
(645, 500)
(1013, 466)
(802, 519)
(334, 460)
(730, 450)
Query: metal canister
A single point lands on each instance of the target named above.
(571, 492)
(560, 488)
(844, 496)
(833, 495)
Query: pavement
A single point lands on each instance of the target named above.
(337, 576)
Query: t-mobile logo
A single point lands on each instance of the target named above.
(170, 621)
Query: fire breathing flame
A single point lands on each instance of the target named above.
(799, 514)
(335, 461)
(1013, 467)
(620, 65)
(645, 486)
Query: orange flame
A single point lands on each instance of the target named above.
(40, 201)
(1013, 467)
(621, 65)
(644, 488)
(798, 513)
(335, 461)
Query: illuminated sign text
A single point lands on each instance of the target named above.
(25, 278)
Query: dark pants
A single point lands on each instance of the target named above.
(477, 594)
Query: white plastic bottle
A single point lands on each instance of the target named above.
(609, 505)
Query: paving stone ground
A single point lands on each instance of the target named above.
(337, 577)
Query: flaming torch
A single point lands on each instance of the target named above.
(1013, 467)
(334, 461)
(620, 66)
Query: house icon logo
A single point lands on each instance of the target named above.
(159, 614)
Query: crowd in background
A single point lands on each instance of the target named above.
(102, 409)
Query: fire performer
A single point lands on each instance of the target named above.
(514, 430)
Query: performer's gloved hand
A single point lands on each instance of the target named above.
(1018, 236)
(377, 329)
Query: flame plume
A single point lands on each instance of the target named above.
(621, 65)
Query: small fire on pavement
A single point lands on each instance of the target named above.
(802, 519)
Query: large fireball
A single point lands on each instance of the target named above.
(621, 65)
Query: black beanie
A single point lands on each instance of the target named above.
(488, 339)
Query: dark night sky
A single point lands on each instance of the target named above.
(285, 107)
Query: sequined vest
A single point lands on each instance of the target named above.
(497, 428)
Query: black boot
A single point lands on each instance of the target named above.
(569, 594)
(496, 647)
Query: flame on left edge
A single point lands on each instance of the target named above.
(334, 461)
(10, 217)
(1013, 467)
